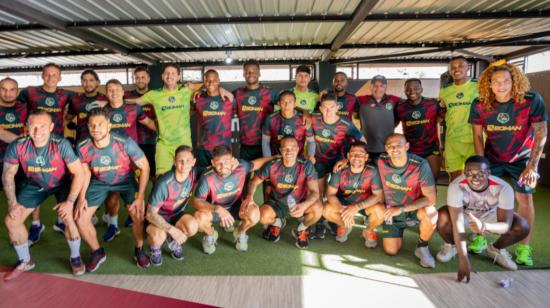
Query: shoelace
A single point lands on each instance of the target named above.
(275, 230)
(502, 252)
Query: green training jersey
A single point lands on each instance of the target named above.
(458, 99)
(172, 109)
(306, 100)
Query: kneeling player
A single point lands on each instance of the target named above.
(295, 193)
(485, 203)
(352, 189)
(167, 204)
(109, 161)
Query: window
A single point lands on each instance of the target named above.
(192, 74)
(294, 67)
(228, 73)
(537, 62)
(396, 71)
(274, 72)
(349, 70)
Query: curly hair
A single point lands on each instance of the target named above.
(520, 84)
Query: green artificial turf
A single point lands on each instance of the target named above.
(263, 258)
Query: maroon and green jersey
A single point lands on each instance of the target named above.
(144, 134)
(170, 196)
(124, 119)
(508, 127)
(114, 163)
(224, 192)
(53, 103)
(253, 107)
(12, 119)
(79, 107)
(330, 139)
(355, 187)
(288, 181)
(46, 166)
(213, 120)
(347, 105)
(276, 126)
(420, 125)
(403, 185)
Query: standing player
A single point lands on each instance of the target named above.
(485, 203)
(420, 117)
(514, 121)
(457, 99)
(214, 115)
(377, 114)
(306, 99)
(254, 105)
(109, 161)
(48, 163)
(13, 117)
(218, 198)
(348, 104)
(293, 181)
(409, 193)
(167, 203)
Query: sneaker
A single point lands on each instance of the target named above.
(241, 240)
(171, 243)
(446, 253)
(229, 229)
(156, 257)
(318, 231)
(59, 227)
(128, 222)
(77, 267)
(477, 245)
(94, 220)
(302, 238)
(142, 261)
(371, 239)
(97, 257)
(106, 218)
(209, 243)
(177, 254)
(426, 259)
(502, 257)
(34, 233)
(20, 267)
(524, 255)
(110, 234)
(342, 234)
(331, 227)
(272, 234)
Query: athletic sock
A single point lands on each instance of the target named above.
(36, 222)
(74, 246)
(301, 227)
(278, 222)
(113, 220)
(23, 251)
(422, 243)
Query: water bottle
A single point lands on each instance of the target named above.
(505, 283)
(291, 202)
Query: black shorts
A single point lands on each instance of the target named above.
(251, 152)
(204, 160)
(149, 151)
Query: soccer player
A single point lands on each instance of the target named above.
(48, 162)
(287, 122)
(254, 105)
(214, 114)
(484, 203)
(218, 198)
(13, 116)
(348, 104)
(109, 161)
(167, 203)
(457, 99)
(354, 189)
(420, 117)
(82, 103)
(409, 193)
(293, 181)
(513, 120)
(306, 99)
(377, 114)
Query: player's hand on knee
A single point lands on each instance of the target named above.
(178, 235)
(137, 209)
(64, 209)
(81, 207)
(15, 210)
(298, 211)
(226, 219)
(348, 214)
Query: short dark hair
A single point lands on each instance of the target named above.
(50, 64)
(412, 80)
(113, 81)
(183, 148)
(221, 150)
(211, 71)
(303, 69)
(251, 62)
(99, 112)
(173, 65)
(39, 112)
(286, 92)
(477, 159)
(341, 73)
(359, 144)
(142, 69)
(287, 137)
(459, 58)
(89, 72)
(329, 96)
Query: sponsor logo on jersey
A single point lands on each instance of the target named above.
(416, 114)
(289, 178)
(171, 99)
(117, 118)
(49, 101)
(40, 161)
(105, 160)
(396, 178)
(325, 133)
(303, 102)
(389, 106)
(10, 117)
(459, 95)
(214, 105)
(503, 118)
(252, 100)
(228, 186)
(287, 130)
(340, 105)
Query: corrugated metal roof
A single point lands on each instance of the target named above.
(72, 60)
(39, 39)
(453, 6)
(355, 53)
(309, 54)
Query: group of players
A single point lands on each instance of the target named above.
(312, 160)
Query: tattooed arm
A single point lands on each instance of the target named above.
(529, 175)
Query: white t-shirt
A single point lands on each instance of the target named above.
(483, 204)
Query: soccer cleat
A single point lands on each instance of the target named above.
(302, 238)
(76, 266)
(20, 268)
(34, 233)
(59, 227)
(156, 257)
(477, 245)
(502, 257)
(97, 257)
(371, 239)
(241, 240)
(331, 227)
(524, 255)
(110, 234)
(142, 261)
(209, 243)
(318, 231)
(426, 258)
(342, 234)
(272, 234)
(177, 254)
(446, 253)
(128, 222)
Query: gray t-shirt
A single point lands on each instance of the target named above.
(377, 120)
